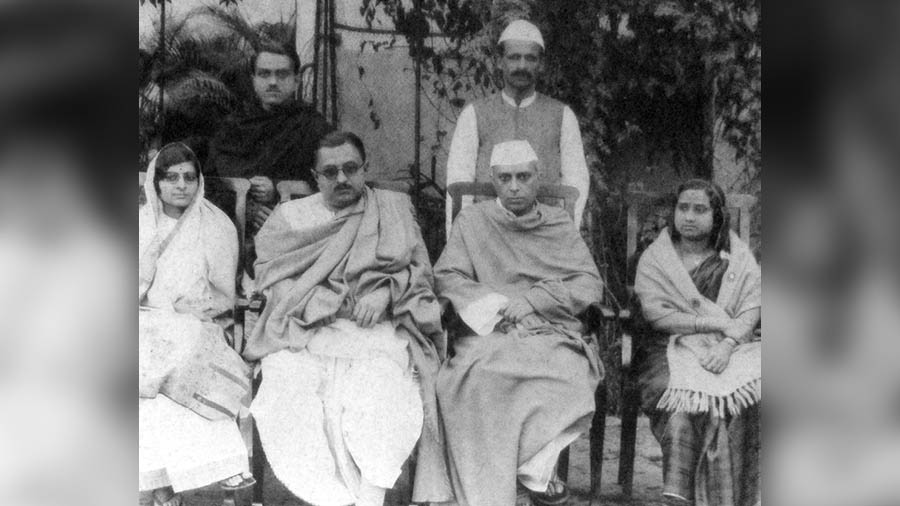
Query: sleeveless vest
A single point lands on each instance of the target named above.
(539, 124)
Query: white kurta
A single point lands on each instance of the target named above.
(463, 155)
(344, 409)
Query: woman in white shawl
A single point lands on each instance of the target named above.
(700, 294)
(191, 381)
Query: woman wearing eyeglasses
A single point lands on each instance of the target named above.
(191, 381)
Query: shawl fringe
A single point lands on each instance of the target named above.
(689, 401)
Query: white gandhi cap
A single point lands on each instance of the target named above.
(522, 30)
(512, 153)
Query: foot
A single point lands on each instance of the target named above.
(238, 482)
(556, 494)
(166, 497)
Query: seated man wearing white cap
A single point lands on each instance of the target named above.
(519, 112)
(520, 386)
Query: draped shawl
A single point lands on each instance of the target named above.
(665, 287)
(279, 143)
(311, 274)
(539, 256)
(199, 255)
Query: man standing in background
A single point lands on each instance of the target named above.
(518, 112)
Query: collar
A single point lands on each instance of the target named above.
(513, 215)
(525, 102)
(358, 207)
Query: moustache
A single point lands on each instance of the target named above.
(522, 73)
(343, 187)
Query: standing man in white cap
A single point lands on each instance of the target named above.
(520, 385)
(519, 112)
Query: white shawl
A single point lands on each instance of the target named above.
(664, 287)
(196, 261)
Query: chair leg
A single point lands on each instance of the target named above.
(630, 406)
(257, 458)
(562, 465)
(401, 493)
(597, 434)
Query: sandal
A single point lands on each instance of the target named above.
(238, 482)
(557, 494)
(166, 497)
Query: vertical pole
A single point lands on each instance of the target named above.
(161, 82)
(317, 39)
(332, 39)
(416, 168)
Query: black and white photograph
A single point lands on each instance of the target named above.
(449, 253)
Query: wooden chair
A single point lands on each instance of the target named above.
(639, 207)
(552, 195)
(565, 197)
(290, 189)
(239, 187)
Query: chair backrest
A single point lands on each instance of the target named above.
(641, 205)
(547, 194)
(235, 185)
(394, 186)
(290, 189)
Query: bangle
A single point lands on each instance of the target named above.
(696, 325)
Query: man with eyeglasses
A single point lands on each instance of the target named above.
(350, 340)
(272, 137)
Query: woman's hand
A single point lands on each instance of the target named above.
(718, 356)
(735, 330)
(370, 308)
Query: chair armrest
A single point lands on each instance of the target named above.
(627, 350)
(255, 303)
(608, 314)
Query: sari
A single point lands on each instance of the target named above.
(707, 425)
(191, 381)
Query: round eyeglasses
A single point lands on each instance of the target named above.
(330, 172)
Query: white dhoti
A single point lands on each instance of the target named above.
(181, 449)
(344, 409)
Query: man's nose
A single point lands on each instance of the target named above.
(513, 186)
(341, 177)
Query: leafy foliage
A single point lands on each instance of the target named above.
(667, 76)
(203, 77)
(665, 79)
(155, 3)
